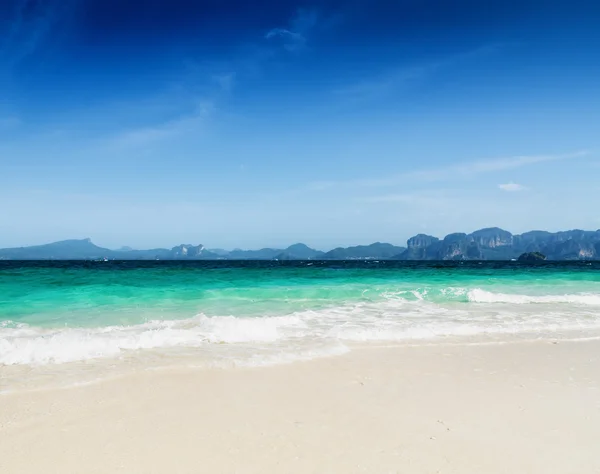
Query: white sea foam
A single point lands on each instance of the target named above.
(306, 334)
(481, 296)
(30, 345)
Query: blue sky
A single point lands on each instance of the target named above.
(250, 124)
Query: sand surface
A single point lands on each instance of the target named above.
(508, 408)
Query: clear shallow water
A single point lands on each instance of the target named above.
(74, 314)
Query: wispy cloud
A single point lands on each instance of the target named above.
(295, 35)
(512, 187)
(292, 41)
(380, 86)
(30, 24)
(391, 80)
(196, 95)
(144, 136)
(432, 197)
(305, 20)
(225, 81)
(204, 78)
(429, 202)
(456, 171)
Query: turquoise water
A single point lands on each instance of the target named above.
(60, 312)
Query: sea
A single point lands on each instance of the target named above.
(71, 322)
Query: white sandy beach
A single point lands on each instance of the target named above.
(508, 408)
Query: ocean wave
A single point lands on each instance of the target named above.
(23, 344)
(287, 337)
(478, 295)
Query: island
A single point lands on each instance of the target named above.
(532, 257)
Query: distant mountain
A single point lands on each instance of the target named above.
(485, 244)
(420, 247)
(262, 254)
(151, 254)
(299, 252)
(498, 244)
(219, 252)
(86, 250)
(66, 249)
(377, 250)
(186, 251)
(293, 252)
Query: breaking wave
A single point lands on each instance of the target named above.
(481, 296)
(400, 316)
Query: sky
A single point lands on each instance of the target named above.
(333, 123)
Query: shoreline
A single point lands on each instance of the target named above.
(23, 378)
(526, 407)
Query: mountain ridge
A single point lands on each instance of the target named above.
(491, 243)
(494, 243)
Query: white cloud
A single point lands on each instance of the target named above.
(512, 187)
(285, 33)
(295, 36)
(144, 136)
(457, 171)
(432, 199)
(30, 24)
(385, 83)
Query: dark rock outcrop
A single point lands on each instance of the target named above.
(532, 257)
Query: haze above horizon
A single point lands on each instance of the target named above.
(332, 123)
